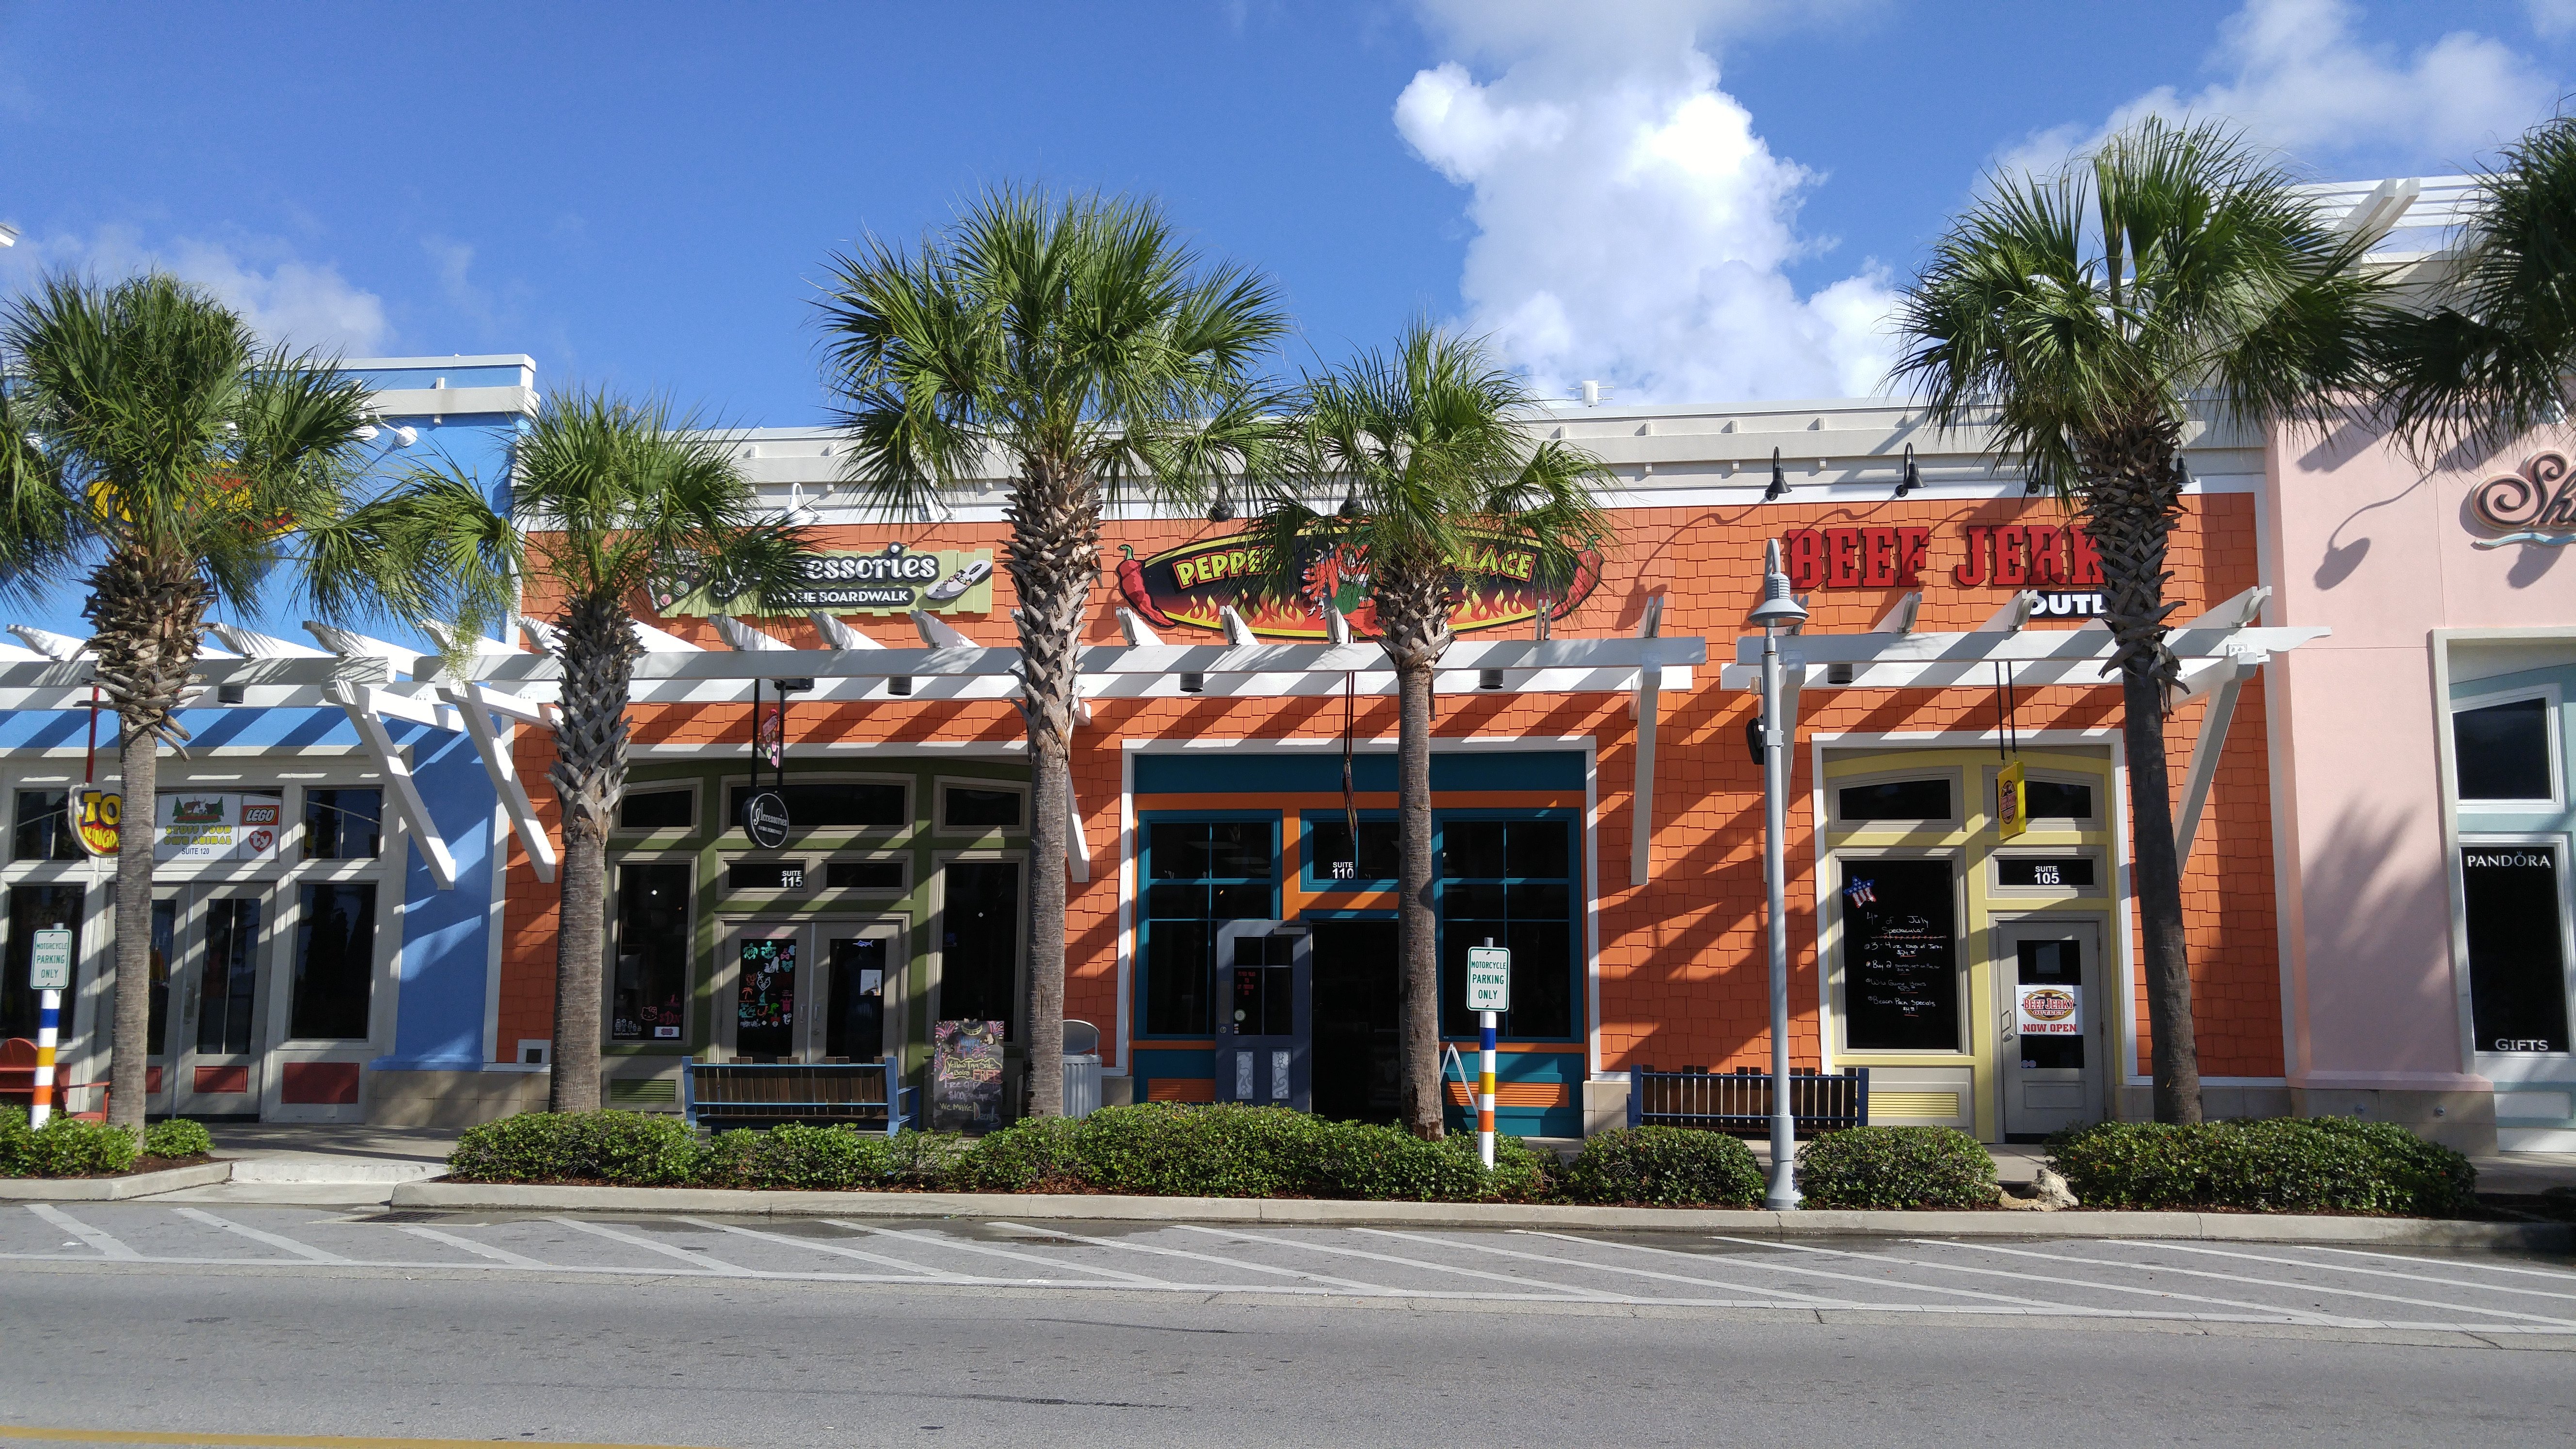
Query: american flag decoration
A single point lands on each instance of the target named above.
(1861, 892)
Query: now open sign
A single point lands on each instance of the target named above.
(1489, 978)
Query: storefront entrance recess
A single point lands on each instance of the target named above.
(1357, 1005)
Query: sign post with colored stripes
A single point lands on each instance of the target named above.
(50, 974)
(1489, 992)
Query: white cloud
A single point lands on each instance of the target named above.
(2553, 18)
(2296, 76)
(284, 298)
(1631, 225)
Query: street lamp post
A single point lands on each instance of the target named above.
(1778, 610)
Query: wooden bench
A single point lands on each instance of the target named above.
(768, 1094)
(1740, 1101)
(18, 1080)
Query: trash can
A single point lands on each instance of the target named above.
(1082, 1084)
(1081, 1068)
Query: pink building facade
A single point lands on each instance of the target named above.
(2419, 758)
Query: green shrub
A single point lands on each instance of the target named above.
(630, 1149)
(1664, 1167)
(177, 1137)
(1035, 1153)
(62, 1147)
(1896, 1167)
(2281, 1164)
(836, 1159)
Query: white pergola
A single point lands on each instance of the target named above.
(2219, 650)
(373, 682)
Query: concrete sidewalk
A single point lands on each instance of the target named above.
(320, 1164)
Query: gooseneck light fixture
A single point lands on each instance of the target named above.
(1222, 510)
(1350, 509)
(1912, 479)
(1779, 480)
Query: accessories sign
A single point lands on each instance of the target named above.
(895, 579)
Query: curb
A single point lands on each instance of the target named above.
(1313, 1212)
(113, 1189)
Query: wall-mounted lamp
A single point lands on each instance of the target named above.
(1489, 679)
(1222, 510)
(1351, 503)
(1779, 480)
(1912, 479)
(402, 437)
(1193, 682)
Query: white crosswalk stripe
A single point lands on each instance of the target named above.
(105, 1243)
(305, 1251)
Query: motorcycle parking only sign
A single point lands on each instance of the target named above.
(1489, 978)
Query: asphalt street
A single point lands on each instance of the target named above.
(152, 1323)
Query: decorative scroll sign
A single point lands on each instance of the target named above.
(2524, 505)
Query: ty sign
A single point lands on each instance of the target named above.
(50, 966)
(1489, 978)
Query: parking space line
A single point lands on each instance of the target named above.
(685, 1255)
(2294, 1314)
(1250, 1267)
(1562, 1288)
(2451, 1263)
(105, 1243)
(936, 1241)
(880, 1259)
(1800, 1298)
(2339, 1268)
(2241, 1278)
(498, 1255)
(275, 1240)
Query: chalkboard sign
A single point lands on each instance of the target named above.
(966, 1076)
(1900, 955)
(765, 1002)
(2517, 972)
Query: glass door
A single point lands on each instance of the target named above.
(1265, 1017)
(767, 1021)
(858, 1001)
(2053, 1041)
(211, 943)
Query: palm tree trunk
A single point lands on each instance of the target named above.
(589, 777)
(1054, 558)
(148, 617)
(2133, 493)
(1413, 610)
(130, 1033)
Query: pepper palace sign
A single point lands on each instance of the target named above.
(2060, 563)
(1185, 587)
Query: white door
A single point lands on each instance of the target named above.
(217, 941)
(2055, 1037)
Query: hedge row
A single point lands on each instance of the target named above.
(1165, 1149)
(64, 1147)
(2277, 1165)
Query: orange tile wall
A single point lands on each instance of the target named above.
(1681, 974)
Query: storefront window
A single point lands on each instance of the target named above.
(1199, 873)
(648, 986)
(969, 807)
(979, 964)
(2503, 750)
(1900, 955)
(1331, 863)
(1513, 882)
(34, 908)
(165, 949)
(1894, 800)
(2056, 800)
(335, 947)
(833, 804)
(656, 810)
(2517, 963)
(43, 827)
(343, 824)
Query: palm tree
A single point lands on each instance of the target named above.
(2087, 318)
(608, 496)
(1430, 452)
(2482, 357)
(1084, 344)
(154, 447)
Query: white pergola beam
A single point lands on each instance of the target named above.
(2222, 681)
(251, 644)
(61, 648)
(1135, 630)
(939, 635)
(1077, 845)
(474, 703)
(1649, 706)
(2010, 618)
(350, 644)
(2063, 645)
(1900, 619)
(741, 636)
(839, 634)
(361, 703)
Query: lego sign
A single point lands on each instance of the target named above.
(2016, 556)
(200, 826)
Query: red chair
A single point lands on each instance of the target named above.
(18, 1080)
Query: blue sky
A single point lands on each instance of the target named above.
(1693, 200)
(641, 194)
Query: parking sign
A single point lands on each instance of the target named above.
(1489, 978)
(51, 962)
